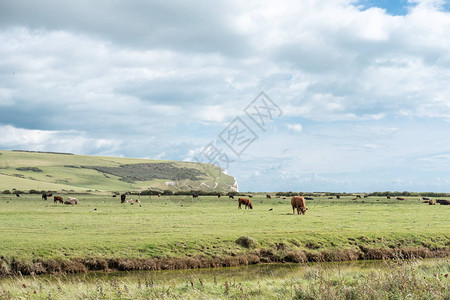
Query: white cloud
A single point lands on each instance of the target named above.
(295, 127)
(57, 141)
(150, 79)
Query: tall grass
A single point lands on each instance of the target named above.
(391, 280)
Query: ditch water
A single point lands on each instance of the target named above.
(242, 273)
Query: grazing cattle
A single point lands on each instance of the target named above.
(268, 196)
(365, 196)
(123, 197)
(431, 202)
(230, 196)
(247, 202)
(57, 199)
(195, 195)
(358, 196)
(426, 198)
(389, 197)
(218, 195)
(330, 197)
(17, 195)
(44, 196)
(337, 196)
(400, 198)
(443, 201)
(298, 203)
(250, 196)
(114, 196)
(309, 198)
(49, 195)
(137, 201)
(159, 195)
(71, 202)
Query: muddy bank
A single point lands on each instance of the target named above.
(12, 267)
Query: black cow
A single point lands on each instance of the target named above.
(123, 197)
(44, 196)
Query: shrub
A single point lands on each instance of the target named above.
(34, 169)
(247, 242)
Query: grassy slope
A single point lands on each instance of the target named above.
(56, 176)
(178, 227)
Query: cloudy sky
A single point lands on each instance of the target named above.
(357, 93)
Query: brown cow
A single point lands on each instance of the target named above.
(247, 202)
(298, 203)
(443, 201)
(400, 198)
(57, 199)
(431, 202)
(71, 201)
(268, 196)
(159, 195)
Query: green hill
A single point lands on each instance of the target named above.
(27, 170)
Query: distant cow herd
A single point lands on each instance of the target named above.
(297, 202)
(59, 199)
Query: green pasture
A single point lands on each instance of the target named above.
(177, 226)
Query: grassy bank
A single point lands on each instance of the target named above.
(24, 171)
(172, 232)
(414, 279)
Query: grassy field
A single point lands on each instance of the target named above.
(178, 227)
(78, 173)
(416, 279)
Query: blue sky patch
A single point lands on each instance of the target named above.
(392, 7)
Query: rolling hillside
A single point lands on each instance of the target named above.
(26, 170)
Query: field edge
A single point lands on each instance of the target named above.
(14, 267)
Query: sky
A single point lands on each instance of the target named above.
(304, 95)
